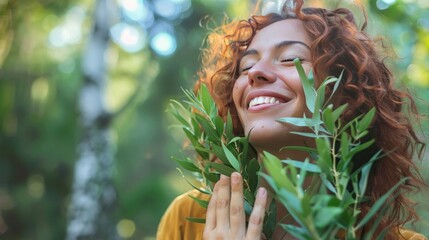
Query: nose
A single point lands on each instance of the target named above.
(261, 73)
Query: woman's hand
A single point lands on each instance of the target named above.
(225, 213)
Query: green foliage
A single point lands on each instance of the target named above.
(216, 149)
(328, 208)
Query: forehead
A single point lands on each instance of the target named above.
(284, 30)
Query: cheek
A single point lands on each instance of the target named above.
(237, 91)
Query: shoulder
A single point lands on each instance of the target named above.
(406, 234)
(185, 206)
(174, 223)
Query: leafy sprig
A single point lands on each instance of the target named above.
(217, 150)
(330, 207)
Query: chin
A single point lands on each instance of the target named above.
(263, 137)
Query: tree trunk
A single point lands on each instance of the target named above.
(93, 199)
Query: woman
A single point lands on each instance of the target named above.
(255, 79)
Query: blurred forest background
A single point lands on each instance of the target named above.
(54, 93)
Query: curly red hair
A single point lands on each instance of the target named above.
(337, 44)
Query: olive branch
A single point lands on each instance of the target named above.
(330, 207)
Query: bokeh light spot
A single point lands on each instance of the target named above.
(136, 10)
(166, 8)
(384, 4)
(70, 31)
(126, 228)
(128, 37)
(36, 186)
(164, 44)
(40, 89)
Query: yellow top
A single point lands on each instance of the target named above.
(174, 226)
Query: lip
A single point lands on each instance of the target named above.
(265, 93)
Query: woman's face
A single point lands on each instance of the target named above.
(269, 86)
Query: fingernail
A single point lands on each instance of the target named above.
(235, 177)
(262, 192)
(224, 177)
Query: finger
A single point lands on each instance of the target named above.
(237, 217)
(222, 203)
(211, 210)
(256, 219)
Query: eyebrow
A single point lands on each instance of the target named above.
(279, 45)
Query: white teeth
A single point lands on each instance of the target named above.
(263, 100)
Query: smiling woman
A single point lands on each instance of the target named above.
(267, 73)
(249, 70)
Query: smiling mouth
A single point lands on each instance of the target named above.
(265, 100)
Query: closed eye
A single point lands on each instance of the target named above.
(245, 69)
(291, 59)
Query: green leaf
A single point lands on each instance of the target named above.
(328, 184)
(219, 153)
(309, 167)
(310, 94)
(222, 169)
(196, 144)
(325, 159)
(196, 220)
(328, 119)
(173, 107)
(337, 83)
(363, 182)
(298, 232)
(310, 77)
(364, 123)
(292, 202)
(379, 203)
(246, 149)
(206, 99)
(270, 220)
(320, 99)
(361, 147)
(344, 146)
(202, 203)
(327, 215)
(219, 124)
(252, 169)
(275, 169)
(231, 158)
(337, 112)
(369, 235)
(198, 131)
(301, 122)
(193, 100)
(249, 196)
(190, 166)
(229, 132)
(192, 185)
(361, 135)
(311, 135)
(209, 129)
(299, 148)
(212, 177)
